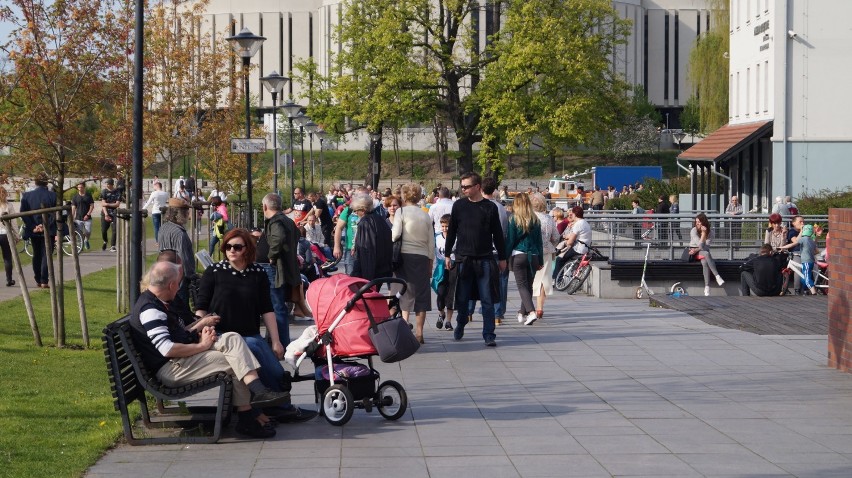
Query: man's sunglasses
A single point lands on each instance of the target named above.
(467, 186)
(235, 247)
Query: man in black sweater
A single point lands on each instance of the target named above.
(761, 275)
(474, 231)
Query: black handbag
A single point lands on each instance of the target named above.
(393, 339)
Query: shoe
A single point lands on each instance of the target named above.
(707, 291)
(112, 249)
(44, 286)
(539, 313)
(103, 246)
(531, 317)
(440, 323)
(88, 246)
(290, 414)
(269, 398)
(448, 325)
(719, 280)
(420, 339)
(490, 343)
(10, 283)
(458, 334)
(521, 318)
(498, 320)
(299, 318)
(251, 428)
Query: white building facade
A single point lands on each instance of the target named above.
(789, 100)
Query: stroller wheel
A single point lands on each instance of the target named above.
(391, 400)
(338, 404)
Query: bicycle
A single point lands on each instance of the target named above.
(572, 275)
(25, 245)
(794, 267)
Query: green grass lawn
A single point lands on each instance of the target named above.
(56, 408)
(56, 412)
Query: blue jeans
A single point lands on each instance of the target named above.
(482, 283)
(157, 219)
(271, 372)
(279, 305)
(500, 306)
(348, 262)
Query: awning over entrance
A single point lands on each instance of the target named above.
(727, 141)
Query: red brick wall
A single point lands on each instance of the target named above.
(840, 271)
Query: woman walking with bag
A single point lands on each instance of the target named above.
(5, 208)
(413, 227)
(543, 281)
(523, 246)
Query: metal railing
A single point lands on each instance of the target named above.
(733, 237)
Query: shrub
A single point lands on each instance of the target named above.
(821, 201)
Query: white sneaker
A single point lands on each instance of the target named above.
(719, 280)
(707, 291)
(531, 317)
(299, 318)
(521, 318)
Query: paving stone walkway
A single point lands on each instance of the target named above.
(598, 388)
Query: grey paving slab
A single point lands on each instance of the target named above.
(597, 388)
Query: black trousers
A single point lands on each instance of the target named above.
(105, 227)
(524, 280)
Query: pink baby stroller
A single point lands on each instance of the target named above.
(349, 311)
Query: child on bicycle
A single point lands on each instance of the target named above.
(809, 252)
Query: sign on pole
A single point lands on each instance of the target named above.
(248, 145)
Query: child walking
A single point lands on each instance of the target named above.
(444, 281)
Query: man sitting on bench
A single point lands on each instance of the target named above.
(761, 275)
(180, 353)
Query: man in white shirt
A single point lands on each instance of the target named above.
(444, 205)
(577, 238)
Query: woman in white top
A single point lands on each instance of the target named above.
(414, 227)
(157, 200)
(6, 208)
(543, 281)
(699, 247)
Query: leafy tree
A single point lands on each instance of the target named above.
(183, 89)
(68, 59)
(415, 60)
(708, 69)
(690, 118)
(551, 80)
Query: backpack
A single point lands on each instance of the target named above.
(794, 211)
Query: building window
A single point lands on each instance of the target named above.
(748, 11)
(737, 101)
(748, 92)
(757, 89)
(645, 54)
(666, 58)
(676, 56)
(731, 96)
(766, 86)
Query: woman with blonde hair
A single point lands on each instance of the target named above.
(5, 208)
(550, 236)
(413, 227)
(524, 249)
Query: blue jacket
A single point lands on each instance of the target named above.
(38, 198)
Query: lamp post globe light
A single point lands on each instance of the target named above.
(311, 128)
(274, 83)
(246, 44)
(292, 109)
(321, 134)
(302, 120)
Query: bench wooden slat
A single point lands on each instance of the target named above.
(671, 270)
(131, 382)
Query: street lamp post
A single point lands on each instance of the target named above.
(246, 44)
(292, 109)
(302, 120)
(311, 128)
(321, 134)
(375, 144)
(274, 83)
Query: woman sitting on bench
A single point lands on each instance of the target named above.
(699, 247)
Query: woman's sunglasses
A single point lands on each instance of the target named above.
(235, 247)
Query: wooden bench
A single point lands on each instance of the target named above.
(672, 270)
(132, 381)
